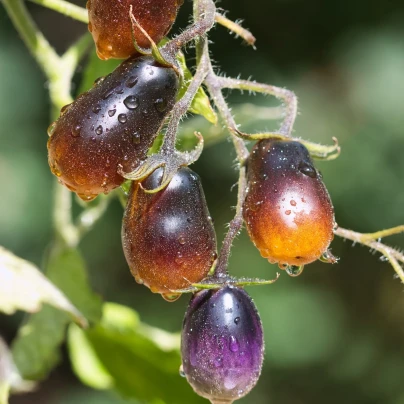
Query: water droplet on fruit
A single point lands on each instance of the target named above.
(233, 344)
(122, 118)
(181, 371)
(86, 197)
(96, 109)
(171, 297)
(160, 104)
(131, 102)
(111, 112)
(55, 169)
(99, 130)
(294, 270)
(131, 82)
(181, 240)
(139, 280)
(136, 138)
(65, 108)
(328, 257)
(51, 128)
(288, 212)
(218, 362)
(307, 169)
(293, 203)
(99, 80)
(108, 93)
(237, 320)
(76, 131)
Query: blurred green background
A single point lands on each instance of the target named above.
(334, 334)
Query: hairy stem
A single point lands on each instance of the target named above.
(287, 96)
(372, 240)
(236, 28)
(235, 227)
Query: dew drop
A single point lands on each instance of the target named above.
(307, 169)
(99, 80)
(122, 118)
(131, 102)
(96, 109)
(65, 108)
(111, 112)
(139, 280)
(294, 270)
(237, 320)
(160, 104)
(76, 131)
(233, 344)
(108, 93)
(181, 240)
(293, 203)
(181, 371)
(171, 297)
(99, 130)
(55, 169)
(288, 212)
(218, 362)
(136, 138)
(87, 197)
(328, 257)
(282, 265)
(51, 128)
(131, 82)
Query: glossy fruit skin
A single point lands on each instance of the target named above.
(111, 28)
(222, 344)
(111, 126)
(168, 237)
(288, 211)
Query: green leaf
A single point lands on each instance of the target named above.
(96, 68)
(24, 287)
(200, 104)
(139, 361)
(36, 348)
(66, 269)
(10, 379)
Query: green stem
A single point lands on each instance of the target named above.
(372, 240)
(59, 72)
(67, 234)
(65, 8)
(39, 47)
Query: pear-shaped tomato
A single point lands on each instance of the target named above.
(168, 237)
(110, 24)
(288, 211)
(111, 127)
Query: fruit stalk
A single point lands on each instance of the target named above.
(235, 227)
(372, 240)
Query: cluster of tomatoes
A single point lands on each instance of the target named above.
(168, 236)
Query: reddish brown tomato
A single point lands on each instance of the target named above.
(288, 211)
(111, 126)
(168, 237)
(111, 27)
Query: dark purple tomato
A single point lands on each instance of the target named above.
(288, 211)
(111, 27)
(111, 126)
(222, 344)
(168, 237)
